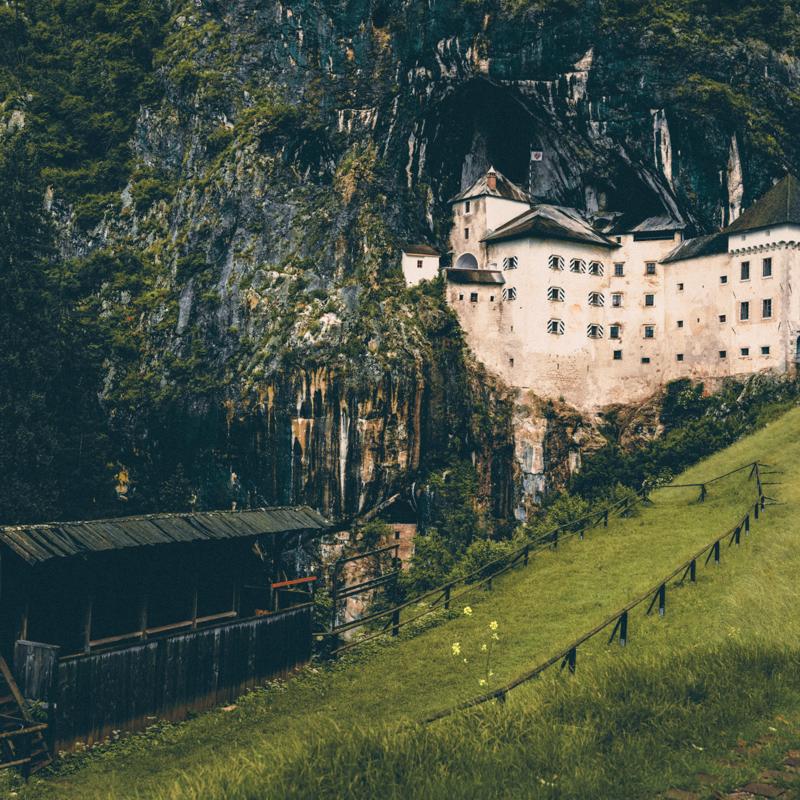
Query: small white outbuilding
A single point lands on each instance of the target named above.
(420, 263)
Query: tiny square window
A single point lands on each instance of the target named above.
(594, 331)
(765, 350)
(596, 299)
(680, 287)
(723, 278)
(616, 300)
(744, 311)
(723, 317)
(649, 331)
(766, 268)
(473, 298)
(491, 298)
(680, 323)
(745, 271)
(650, 268)
(619, 270)
(766, 309)
(596, 268)
(649, 299)
(461, 297)
(555, 294)
(419, 263)
(723, 353)
(679, 357)
(645, 359)
(745, 351)
(556, 327)
(577, 265)
(467, 207)
(618, 355)
(466, 233)
(614, 331)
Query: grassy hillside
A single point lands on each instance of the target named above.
(722, 661)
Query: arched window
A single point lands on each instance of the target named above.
(577, 265)
(596, 268)
(596, 299)
(556, 262)
(556, 327)
(467, 261)
(594, 331)
(555, 294)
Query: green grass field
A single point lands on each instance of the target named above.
(718, 667)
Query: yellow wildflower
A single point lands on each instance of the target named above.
(482, 682)
(495, 637)
(493, 624)
(456, 648)
(484, 647)
(467, 611)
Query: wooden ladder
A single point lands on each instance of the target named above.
(22, 739)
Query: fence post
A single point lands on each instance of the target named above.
(605, 518)
(555, 539)
(662, 599)
(747, 525)
(623, 629)
(572, 657)
(716, 552)
(763, 502)
(693, 571)
(756, 509)
(737, 535)
(447, 596)
(525, 557)
(396, 622)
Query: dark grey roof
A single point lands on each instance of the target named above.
(711, 245)
(37, 543)
(420, 250)
(550, 222)
(456, 275)
(779, 206)
(661, 223)
(504, 188)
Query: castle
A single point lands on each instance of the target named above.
(596, 311)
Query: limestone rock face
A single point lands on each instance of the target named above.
(296, 145)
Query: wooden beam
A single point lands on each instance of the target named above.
(87, 623)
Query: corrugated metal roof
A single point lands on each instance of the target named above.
(37, 543)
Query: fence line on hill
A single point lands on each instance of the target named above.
(509, 561)
(656, 594)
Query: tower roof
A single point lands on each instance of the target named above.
(504, 188)
(779, 206)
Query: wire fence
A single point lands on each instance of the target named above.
(656, 594)
(484, 575)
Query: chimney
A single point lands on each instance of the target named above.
(491, 180)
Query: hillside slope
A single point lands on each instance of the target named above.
(284, 741)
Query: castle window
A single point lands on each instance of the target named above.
(744, 311)
(765, 350)
(650, 268)
(723, 353)
(555, 262)
(461, 297)
(619, 270)
(594, 331)
(649, 331)
(510, 362)
(745, 351)
(467, 207)
(650, 300)
(466, 233)
(556, 327)
(419, 263)
(618, 355)
(723, 317)
(577, 265)
(510, 293)
(679, 357)
(680, 287)
(473, 298)
(596, 268)
(766, 309)
(745, 271)
(766, 268)
(645, 359)
(596, 299)
(555, 294)
(616, 300)
(510, 262)
(491, 298)
(614, 331)
(680, 323)
(723, 278)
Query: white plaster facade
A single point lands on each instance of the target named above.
(420, 263)
(560, 309)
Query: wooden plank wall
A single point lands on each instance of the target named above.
(129, 688)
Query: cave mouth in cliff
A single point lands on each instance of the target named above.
(478, 125)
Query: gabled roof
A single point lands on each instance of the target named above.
(37, 543)
(712, 245)
(779, 206)
(419, 250)
(492, 276)
(550, 222)
(504, 188)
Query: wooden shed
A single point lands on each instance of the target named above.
(113, 623)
